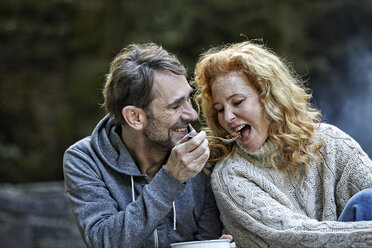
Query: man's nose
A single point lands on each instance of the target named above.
(189, 113)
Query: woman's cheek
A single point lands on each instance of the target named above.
(221, 122)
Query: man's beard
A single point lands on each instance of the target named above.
(158, 133)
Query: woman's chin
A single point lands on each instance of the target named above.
(247, 146)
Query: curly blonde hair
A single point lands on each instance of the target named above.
(284, 97)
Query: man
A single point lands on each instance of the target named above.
(137, 180)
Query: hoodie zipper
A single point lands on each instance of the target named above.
(156, 237)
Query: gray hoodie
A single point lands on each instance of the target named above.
(117, 206)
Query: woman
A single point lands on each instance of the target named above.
(288, 177)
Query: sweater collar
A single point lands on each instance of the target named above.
(261, 156)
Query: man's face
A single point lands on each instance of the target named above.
(171, 110)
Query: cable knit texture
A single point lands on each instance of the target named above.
(264, 207)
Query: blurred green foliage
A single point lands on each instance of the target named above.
(55, 54)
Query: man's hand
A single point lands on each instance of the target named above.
(188, 157)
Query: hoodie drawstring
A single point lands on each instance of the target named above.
(132, 183)
(174, 217)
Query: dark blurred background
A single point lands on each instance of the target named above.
(55, 54)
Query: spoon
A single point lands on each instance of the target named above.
(190, 128)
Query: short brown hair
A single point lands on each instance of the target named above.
(131, 76)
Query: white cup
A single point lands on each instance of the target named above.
(215, 243)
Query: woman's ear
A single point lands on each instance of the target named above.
(135, 117)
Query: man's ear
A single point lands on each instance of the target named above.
(135, 117)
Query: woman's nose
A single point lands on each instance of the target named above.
(229, 116)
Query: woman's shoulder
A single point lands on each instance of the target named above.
(228, 163)
(333, 136)
(329, 132)
(225, 162)
(330, 129)
(236, 163)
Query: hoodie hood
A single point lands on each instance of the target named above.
(107, 144)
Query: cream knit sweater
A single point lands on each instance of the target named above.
(264, 207)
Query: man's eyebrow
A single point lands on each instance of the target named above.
(180, 99)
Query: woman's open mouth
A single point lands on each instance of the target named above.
(240, 131)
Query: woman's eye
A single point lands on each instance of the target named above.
(219, 110)
(238, 102)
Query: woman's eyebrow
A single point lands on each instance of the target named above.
(215, 103)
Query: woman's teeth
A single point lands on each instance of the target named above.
(237, 129)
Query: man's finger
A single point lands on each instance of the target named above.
(195, 141)
(187, 137)
(200, 150)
